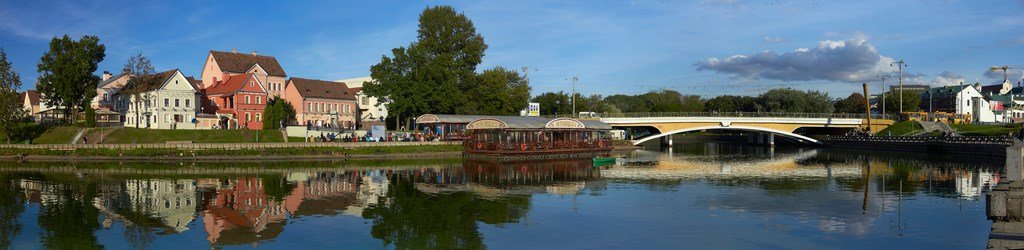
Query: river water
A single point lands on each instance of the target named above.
(696, 195)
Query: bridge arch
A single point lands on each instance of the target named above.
(733, 127)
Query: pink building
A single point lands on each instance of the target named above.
(322, 103)
(265, 68)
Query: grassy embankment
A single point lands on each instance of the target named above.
(411, 149)
(901, 128)
(986, 130)
(140, 135)
(42, 134)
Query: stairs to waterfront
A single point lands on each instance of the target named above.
(937, 126)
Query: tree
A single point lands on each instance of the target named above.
(795, 101)
(277, 112)
(11, 111)
(854, 103)
(66, 77)
(911, 102)
(433, 74)
(500, 91)
(138, 65)
(90, 117)
(692, 103)
(663, 101)
(732, 103)
(552, 103)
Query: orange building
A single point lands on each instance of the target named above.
(238, 101)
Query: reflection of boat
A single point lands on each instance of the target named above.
(601, 161)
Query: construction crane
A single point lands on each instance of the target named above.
(1005, 69)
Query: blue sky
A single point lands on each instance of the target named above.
(708, 47)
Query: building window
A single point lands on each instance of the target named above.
(167, 118)
(167, 102)
(258, 100)
(366, 101)
(308, 105)
(177, 102)
(259, 118)
(252, 84)
(187, 101)
(248, 117)
(246, 99)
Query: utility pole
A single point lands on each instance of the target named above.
(900, 64)
(882, 92)
(573, 95)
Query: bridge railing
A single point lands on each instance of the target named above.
(745, 114)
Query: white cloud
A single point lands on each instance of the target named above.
(848, 61)
(947, 78)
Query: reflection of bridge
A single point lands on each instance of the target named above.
(762, 125)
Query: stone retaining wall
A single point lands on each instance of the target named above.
(253, 145)
(984, 146)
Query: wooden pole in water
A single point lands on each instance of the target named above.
(867, 107)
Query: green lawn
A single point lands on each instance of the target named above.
(986, 130)
(139, 135)
(372, 150)
(54, 135)
(901, 128)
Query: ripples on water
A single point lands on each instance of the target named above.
(696, 196)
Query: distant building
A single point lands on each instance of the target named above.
(372, 110)
(220, 64)
(31, 102)
(895, 89)
(322, 103)
(108, 86)
(165, 100)
(965, 100)
(237, 101)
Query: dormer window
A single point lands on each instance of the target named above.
(251, 84)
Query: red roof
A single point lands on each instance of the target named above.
(230, 86)
(242, 62)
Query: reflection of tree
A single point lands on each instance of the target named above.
(416, 220)
(69, 219)
(11, 206)
(277, 187)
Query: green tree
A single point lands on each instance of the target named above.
(66, 77)
(854, 103)
(732, 103)
(90, 117)
(911, 102)
(795, 101)
(552, 103)
(692, 103)
(664, 101)
(11, 111)
(12, 204)
(278, 111)
(436, 71)
(628, 103)
(500, 91)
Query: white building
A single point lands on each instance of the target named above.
(965, 100)
(165, 100)
(371, 108)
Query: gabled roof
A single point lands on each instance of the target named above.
(232, 85)
(195, 83)
(241, 62)
(148, 82)
(112, 80)
(312, 88)
(32, 96)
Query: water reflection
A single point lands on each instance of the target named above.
(452, 204)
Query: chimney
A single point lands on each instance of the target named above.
(107, 75)
(234, 50)
(254, 52)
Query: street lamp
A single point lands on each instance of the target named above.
(573, 95)
(900, 64)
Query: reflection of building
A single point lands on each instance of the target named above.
(970, 184)
(241, 205)
(172, 201)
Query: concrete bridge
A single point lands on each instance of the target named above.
(762, 126)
